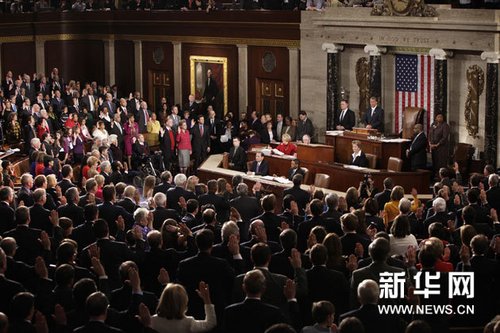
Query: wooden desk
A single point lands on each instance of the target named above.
(342, 178)
(212, 169)
(382, 149)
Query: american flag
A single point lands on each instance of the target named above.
(414, 87)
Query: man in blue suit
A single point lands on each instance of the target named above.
(374, 116)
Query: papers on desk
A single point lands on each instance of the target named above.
(277, 152)
(281, 180)
(398, 140)
(15, 150)
(266, 152)
(355, 167)
(334, 133)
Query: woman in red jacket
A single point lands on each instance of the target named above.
(183, 146)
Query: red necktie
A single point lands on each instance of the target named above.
(201, 130)
(172, 142)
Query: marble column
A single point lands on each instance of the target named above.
(294, 74)
(333, 82)
(440, 80)
(242, 78)
(109, 62)
(40, 56)
(491, 117)
(375, 53)
(138, 65)
(178, 73)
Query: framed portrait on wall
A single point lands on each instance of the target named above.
(208, 80)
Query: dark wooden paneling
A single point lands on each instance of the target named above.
(166, 65)
(124, 66)
(19, 58)
(230, 52)
(231, 24)
(256, 71)
(81, 60)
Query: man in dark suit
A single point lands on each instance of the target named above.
(304, 126)
(97, 309)
(350, 237)
(190, 219)
(220, 203)
(71, 210)
(345, 119)
(379, 252)
(134, 104)
(358, 157)
(57, 103)
(374, 116)
(271, 221)
(385, 196)
(25, 194)
(8, 288)
(259, 167)
(211, 89)
(89, 100)
(258, 235)
(237, 156)
(89, 197)
(304, 228)
(369, 315)
(301, 196)
(200, 141)
(493, 193)
(417, 153)
(486, 277)
(140, 152)
(275, 283)
(192, 106)
(324, 283)
(295, 169)
(253, 315)
(161, 212)
(167, 143)
(175, 193)
(231, 250)
(247, 206)
(332, 215)
(166, 183)
(280, 262)
(216, 272)
(121, 298)
(112, 253)
(40, 217)
(110, 212)
(66, 182)
(6, 211)
(128, 201)
(84, 233)
(31, 242)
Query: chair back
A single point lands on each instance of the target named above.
(372, 160)
(394, 164)
(322, 180)
(411, 117)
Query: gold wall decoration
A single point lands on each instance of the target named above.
(363, 80)
(404, 8)
(475, 86)
(199, 66)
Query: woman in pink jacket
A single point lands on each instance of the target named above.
(183, 146)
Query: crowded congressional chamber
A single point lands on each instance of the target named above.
(249, 166)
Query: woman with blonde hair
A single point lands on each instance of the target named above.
(391, 209)
(147, 190)
(286, 147)
(171, 312)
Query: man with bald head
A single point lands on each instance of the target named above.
(417, 152)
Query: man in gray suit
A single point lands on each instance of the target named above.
(143, 117)
(379, 252)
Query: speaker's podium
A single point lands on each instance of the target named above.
(371, 143)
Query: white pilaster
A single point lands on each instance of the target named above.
(40, 56)
(242, 77)
(109, 62)
(178, 72)
(294, 75)
(138, 65)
